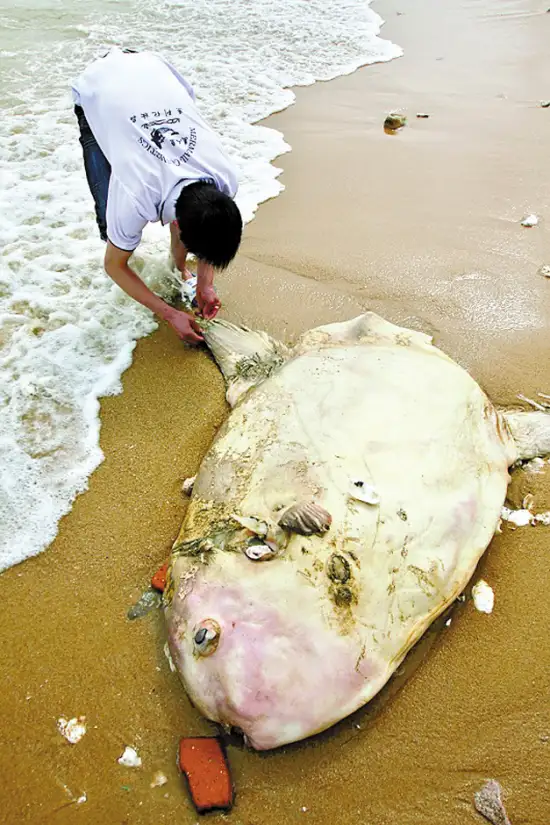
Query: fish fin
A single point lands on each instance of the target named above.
(531, 433)
(306, 518)
(246, 357)
(368, 328)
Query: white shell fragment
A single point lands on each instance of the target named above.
(364, 492)
(530, 220)
(72, 729)
(483, 596)
(521, 518)
(544, 271)
(187, 486)
(159, 779)
(130, 758)
(488, 802)
(260, 552)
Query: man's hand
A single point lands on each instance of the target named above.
(207, 301)
(185, 327)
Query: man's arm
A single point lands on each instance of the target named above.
(116, 267)
(207, 299)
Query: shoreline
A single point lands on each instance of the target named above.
(422, 227)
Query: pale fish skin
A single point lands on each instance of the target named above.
(288, 640)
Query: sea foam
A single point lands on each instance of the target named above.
(66, 331)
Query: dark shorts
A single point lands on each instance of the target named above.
(98, 171)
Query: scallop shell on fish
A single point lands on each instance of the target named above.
(306, 518)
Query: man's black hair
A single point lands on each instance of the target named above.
(210, 223)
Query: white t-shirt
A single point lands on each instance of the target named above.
(143, 115)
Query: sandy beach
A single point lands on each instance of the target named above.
(422, 227)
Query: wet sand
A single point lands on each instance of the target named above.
(422, 227)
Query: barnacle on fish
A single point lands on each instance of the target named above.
(338, 568)
(306, 518)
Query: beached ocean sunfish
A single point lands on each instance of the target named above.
(342, 507)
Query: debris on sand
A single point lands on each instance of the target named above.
(488, 802)
(159, 779)
(483, 596)
(72, 729)
(530, 220)
(544, 271)
(394, 121)
(545, 104)
(169, 657)
(148, 601)
(422, 115)
(187, 486)
(130, 758)
(159, 579)
(73, 799)
(203, 762)
(525, 516)
(521, 518)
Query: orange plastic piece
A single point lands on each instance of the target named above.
(159, 579)
(203, 762)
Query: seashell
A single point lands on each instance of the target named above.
(251, 523)
(544, 271)
(521, 518)
(529, 502)
(364, 492)
(130, 758)
(483, 596)
(394, 121)
(187, 486)
(488, 802)
(530, 220)
(72, 729)
(306, 518)
(260, 552)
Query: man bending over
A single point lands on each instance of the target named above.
(150, 156)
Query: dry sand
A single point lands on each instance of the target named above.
(423, 227)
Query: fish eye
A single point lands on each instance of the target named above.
(206, 637)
